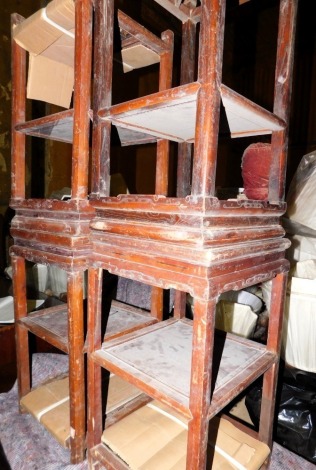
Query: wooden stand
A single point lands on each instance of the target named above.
(194, 243)
(57, 232)
(50, 231)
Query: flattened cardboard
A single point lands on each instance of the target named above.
(46, 397)
(62, 12)
(62, 50)
(138, 56)
(49, 34)
(57, 422)
(155, 436)
(49, 404)
(50, 81)
(37, 32)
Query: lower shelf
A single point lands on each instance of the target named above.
(154, 436)
(51, 324)
(158, 360)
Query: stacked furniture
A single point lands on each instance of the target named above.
(194, 242)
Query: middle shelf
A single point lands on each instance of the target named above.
(51, 324)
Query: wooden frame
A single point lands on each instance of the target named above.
(55, 232)
(148, 238)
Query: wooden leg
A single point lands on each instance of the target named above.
(94, 395)
(179, 304)
(201, 373)
(270, 378)
(76, 366)
(21, 334)
(157, 302)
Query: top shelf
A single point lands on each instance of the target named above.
(58, 126)
(171, 114)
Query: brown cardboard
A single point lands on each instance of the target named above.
(62, 12)
(49, 404)
(155, 436)
(48, 36)
(36, 33)
(46, 397)
(62, 50)
(57, 422)
(50, 81)
(138, 56)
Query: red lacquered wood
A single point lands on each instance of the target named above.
(102, 96)
(81, 120)
(282, 96)
(76, 366)
(201, 383)
(188, 49)
(208, 104)
(274, 345)
(18, 115)
(162, 158)
(94, 399)
(21, 335)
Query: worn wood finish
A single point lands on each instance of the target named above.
(83, 54)
(274, 345)
(76, 365)
(102, 96)
(50, 231)
(194, 243)
(178, 108)
(188, 48)
(185, 150)
(94, 397)
(18, 115)
(201, 381)
(162, 154)
(56, 232)
(208, 101)
(49, 325)
(141, 35)
(21, 335)
(282, 96)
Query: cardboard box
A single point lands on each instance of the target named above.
(48, 36)
(138, 56)
(155, 436)
(49, 404)
(62, 50)
(49, 81)
(43, 28)
(45, 398)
